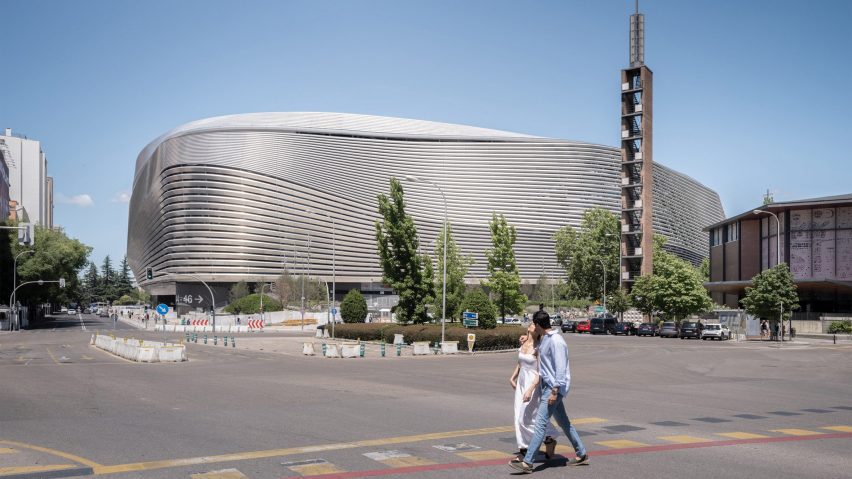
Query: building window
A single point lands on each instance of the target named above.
(733, 232)
(716, 236)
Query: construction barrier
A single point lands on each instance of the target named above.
(308, 349)
(350, 350)
(141, 351)
(450, 347)
(331, 351)
(421, 348)
(255, 324)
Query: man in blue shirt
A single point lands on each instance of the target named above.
(555, 375)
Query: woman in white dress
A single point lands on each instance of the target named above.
(525, 380)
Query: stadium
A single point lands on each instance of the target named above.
(242, 197)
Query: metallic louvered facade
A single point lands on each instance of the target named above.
(241, 197)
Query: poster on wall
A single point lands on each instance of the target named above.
(844, 254)
(823, 218)
(800, 220)
(800, 253)
(823, 253)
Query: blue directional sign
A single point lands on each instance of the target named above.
(469, 315)
(470, 320)
(162, 309)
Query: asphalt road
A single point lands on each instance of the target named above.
(646, 407)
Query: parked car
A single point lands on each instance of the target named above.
(569, 325)
(583, 326)
(646, 329)
(690, 329)
(625, 327)
(602, 325)
(72, 311)
(716, 331)
(669, 330)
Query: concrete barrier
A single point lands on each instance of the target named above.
(350, 350)
(141, 351)
(397, 339)
(308, 349)
(450, 347)
(331, 351)
(421, 348)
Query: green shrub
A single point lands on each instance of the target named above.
(125, 300)
(353, 309)
(840, 327)
(251, 305)
(505, 337)
(476, 301)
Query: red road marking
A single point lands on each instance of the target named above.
(604, 452)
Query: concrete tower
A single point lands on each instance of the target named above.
(637, 237)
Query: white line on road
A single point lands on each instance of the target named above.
(82, 324)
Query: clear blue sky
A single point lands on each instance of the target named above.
(749, 95)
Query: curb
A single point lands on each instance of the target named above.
(71, 472)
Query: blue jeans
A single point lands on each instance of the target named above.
(545, 412)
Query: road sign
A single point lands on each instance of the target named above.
(333, 311)
(599, 309)
(470, 320)
(469, 315)
(162, 309)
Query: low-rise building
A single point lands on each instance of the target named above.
(815, 240)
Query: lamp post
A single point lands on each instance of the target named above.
(777, 258)
(13, 303)
(603, 265)
(40, 282)
(261, 301)
(333, 267)
(212, 298)
(446, 230)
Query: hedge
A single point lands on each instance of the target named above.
(502, 337)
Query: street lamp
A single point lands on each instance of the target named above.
(333, 266)
(603, 265)
(13, 303)
(261, 301)
(777, 256)
(60, 281)
(415, 179)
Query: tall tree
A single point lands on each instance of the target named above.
(585, 252)
(676, 287)
(457, 268)
(402, 267)
(124, 279)
(56, 256)
(90, 284)
(238, 291)
(504, 280)
(107, 287)
(618, 302)
(771, 290)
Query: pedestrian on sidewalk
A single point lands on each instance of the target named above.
(555, 380)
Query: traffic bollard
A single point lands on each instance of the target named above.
(225, 338)
(323, 349)
(215, 340)
(205, 339)
(195, 338)
(186, 337)
(363, 349)
(398, 349)
(383, 349)
(233, 342)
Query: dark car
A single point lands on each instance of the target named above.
(646, 329)
(690, 330)
(669, 330)
(625, 328)
(569, 325)
(602, 325)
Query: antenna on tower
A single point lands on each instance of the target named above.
(637, 38)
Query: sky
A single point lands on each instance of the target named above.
(749, 96)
